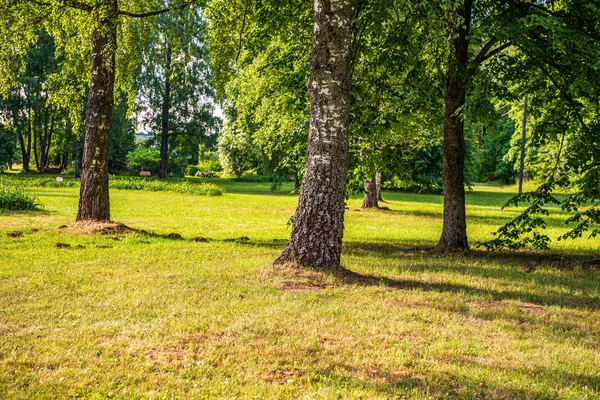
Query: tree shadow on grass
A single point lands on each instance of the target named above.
(549, 298)
(394, 384)
(555, 219)
(526, 259)
(38, 211)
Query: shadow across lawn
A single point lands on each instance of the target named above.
(557, 298)
(395, 383)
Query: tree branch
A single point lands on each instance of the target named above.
(154, 13)
(483, 57)
(239, 49)
(541, 8)
(484, 50)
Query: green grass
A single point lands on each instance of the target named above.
(145, 315)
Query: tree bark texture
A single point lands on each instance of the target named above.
(164, 139)
(94, 201)
(454, 230)
(316, 238)
(370, 199)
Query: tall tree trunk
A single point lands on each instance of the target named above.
(523, 139)
(164, 142)
(46, 138)
(93, 199)
(18, 125)
(27, 160)
(318, 227)
(370, 198)
(35, 140)
(454, 231)
(378, 184)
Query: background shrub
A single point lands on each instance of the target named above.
(14, 197)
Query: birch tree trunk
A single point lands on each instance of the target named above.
(454, 231)
(316, 238)
(93, 200)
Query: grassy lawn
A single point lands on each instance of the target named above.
(148, 315)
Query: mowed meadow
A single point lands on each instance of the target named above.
(147, 312)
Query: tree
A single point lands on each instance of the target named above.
(174, 95)
(317, 230)
(479, 33)
(97, 24)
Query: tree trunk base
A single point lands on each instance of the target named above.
(286, 257)
(370, 198)
(456, 244)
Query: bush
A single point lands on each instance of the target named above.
(202, 189)
(191, 170)
(128, 183)
(148, 159)
(211, 166)
(45, 182)
(260, 178)
(14, 197)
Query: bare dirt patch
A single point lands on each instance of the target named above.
(533, 308)
(93, 228)
(293, 278)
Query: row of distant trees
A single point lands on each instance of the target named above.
(167, 96)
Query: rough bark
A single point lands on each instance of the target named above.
(370, 198)
(523, 139)
(164, 140)
(93, 201)
(316, 238)
(454, 231)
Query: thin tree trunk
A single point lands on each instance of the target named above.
(27, 160)
(378, 183)
(454, 230)
(77, 154)
(523, 139)
(46, 139)
(164, 142)
(93, 200)
(18, 124)
(318, 227)
(35, 141)
(370, 198)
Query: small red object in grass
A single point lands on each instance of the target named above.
(145, 173)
